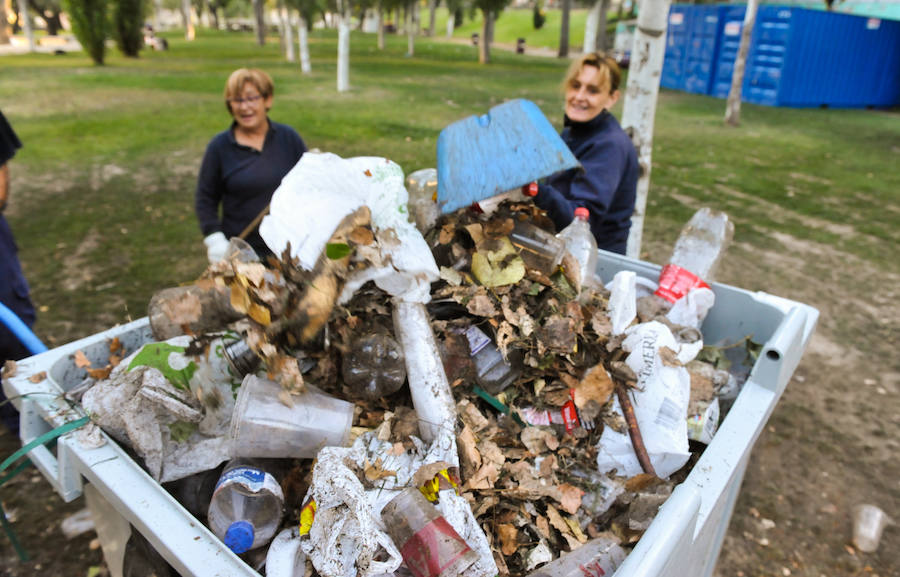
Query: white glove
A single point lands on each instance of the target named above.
(216, 245)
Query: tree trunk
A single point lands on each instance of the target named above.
(733, 106)
(157, 10)
(432, 10)
(380, 32)
(601, 26)
(343, 64)
(484, 47)
(189, 32)
(289, 36)
(450, 20)
(260, 21)
(4, 24)
(304, 46)
(640, 102)
(591, 26)
(411, 27)
(564, 29)
(25, 20)
(214, 15)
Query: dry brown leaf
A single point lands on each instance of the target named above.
(669, 357)
(240, 300)
(491, 452)
(361, 235)
(259, 314)
(428, 472)
(537, 440)
(641, 482)
(471, 416)
(10, 368)
(575, 528)
(595, 385)
(38, 377)
(556, 520)
(484, 478)
(508, 535)
(182, 311)
(115, 346)
(376, 471)
(558, 334)
(571, 270)
(569, 498)
(549, 464)
(572, 541)
(448, 231)
(100, 374)
(250, 272)
(505, 335)
(469, 457)
(81, 361)
(543, 526)
(476, 232)
(601, 324)
(481, 305)
(114, 360)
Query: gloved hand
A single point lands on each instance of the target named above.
(216, 245)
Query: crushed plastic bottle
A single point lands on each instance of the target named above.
(422, 188)
(492, 372)
(580, 242)
(697, 254)
(429, 544)
(246, 506)
(538, 248)
(374, 367)
(600, 556)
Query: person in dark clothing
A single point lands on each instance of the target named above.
(606, 182)
(13, 287)
(243, 165)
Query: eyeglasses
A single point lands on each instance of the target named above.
(251, 100)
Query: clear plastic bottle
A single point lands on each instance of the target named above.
(246, 507)
(492, 372)
(600, 556)
(374, 367)
(422, 188)
(538, 248)
(581, 243)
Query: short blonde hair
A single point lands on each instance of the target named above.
(235, 84)
(610, 74)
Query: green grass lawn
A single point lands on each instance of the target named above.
(102, 202)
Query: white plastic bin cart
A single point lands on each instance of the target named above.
(684, 538)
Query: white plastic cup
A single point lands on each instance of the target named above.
(263, 426)
(868, 523)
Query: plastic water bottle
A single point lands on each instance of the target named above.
(246, 507)
(600, 556)
(422, 188)
(374, 367)
(492, 372)
(538, 248)
(581, 243)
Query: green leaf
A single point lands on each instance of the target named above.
(181, 431)
(714, 356)
(156, 355)
(753, 350)
(337, 250)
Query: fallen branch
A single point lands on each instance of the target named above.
(637, 441)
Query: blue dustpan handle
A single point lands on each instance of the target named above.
(21, 330)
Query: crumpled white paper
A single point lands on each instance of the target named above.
(348, 515)
(660, 406)
(140, 407)
(622, 308)
(321, 190)
(691, 309)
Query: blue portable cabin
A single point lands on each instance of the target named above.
(808, 58)
(798, 57)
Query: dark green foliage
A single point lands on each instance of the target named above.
(128, 22)
(538, 17)
(89, 23)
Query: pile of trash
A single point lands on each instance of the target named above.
(548, 414)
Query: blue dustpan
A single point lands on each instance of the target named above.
(481, 156)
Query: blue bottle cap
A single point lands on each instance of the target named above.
(239, 536)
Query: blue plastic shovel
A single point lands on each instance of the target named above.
(481, 156)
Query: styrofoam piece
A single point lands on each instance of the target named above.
(684, 538)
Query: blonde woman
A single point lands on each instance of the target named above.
(243, 165)
(607, 182)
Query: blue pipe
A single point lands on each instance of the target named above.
(21, 330)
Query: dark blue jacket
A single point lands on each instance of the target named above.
(242, 180)
(606, 184)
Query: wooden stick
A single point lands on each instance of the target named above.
(634, 432)
(254, 223)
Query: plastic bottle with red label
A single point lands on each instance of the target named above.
(697, 253)
(596, 558)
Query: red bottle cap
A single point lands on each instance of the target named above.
(530, 189)
(582, 212)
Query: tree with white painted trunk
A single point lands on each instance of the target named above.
(287, 20)
(412, 27)
(641, 94)
(595, 27)
(733, 105)
(26, 24)
(343, 63)
(303, 41)
(188, 16)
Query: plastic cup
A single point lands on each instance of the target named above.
(263, 426)
(429, 544)
(868, 523)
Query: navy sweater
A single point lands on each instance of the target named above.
(606, 183)
(242, 180)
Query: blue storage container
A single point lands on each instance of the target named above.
(798, 57)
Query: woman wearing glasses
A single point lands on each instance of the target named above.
(243, 165)
(607, 182)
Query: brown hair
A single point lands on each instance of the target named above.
(235, 84)
(610, 74)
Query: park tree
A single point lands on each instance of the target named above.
(490, 10)
(307, 10)
(259, 21)
(89, 24)
(50, 11)
(23, 19)
(564, 29)
(733, 104)
(595, 27)
(128, 23)
(454, 15)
